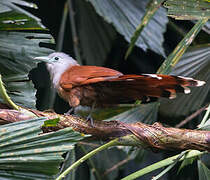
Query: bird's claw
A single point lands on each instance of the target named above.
(70, 112)
(90, 119)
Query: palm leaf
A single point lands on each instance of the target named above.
(16, 60)
(188, 9)
(194, 63)
(18, 49)
(12, 17)
(204, 172)
(93, 32)
(125, 17)
(146, 113)
(26, 152)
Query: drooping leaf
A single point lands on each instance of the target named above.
(185, 163)
(70, 158)
(25, 151)
(162, 163)
(126, 16)
(180, 49)
(94, 33)
(206, 125)
(146, 113)
(12, 17)
(151, 10)
(194, 63)
(188, 9)
(17, 51)
(205, 117)
(204, 172)
(102, 113)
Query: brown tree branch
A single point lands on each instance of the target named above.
(154, 136)
(116, 166)
(192, 116)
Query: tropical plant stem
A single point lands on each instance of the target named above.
(91, 164)
(5, 96)
(205, 117)
(163, 163)
(154, 6)
(87, 156)
(180, 49)
(59, 44)
(183, 153)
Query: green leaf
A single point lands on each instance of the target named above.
(205, 117)
(205, 123)
(12, 17)
(102, 113)
(180, 49)
(24, 151)
(162, 163)
(17, 52)
(154, 5)
(188, 9)
(126, 15)
(51, 122)
(206, 126)
(185, 163)
(204, 172)
(146, 113)
(194, 63)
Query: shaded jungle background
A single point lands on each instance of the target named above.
(140, 61)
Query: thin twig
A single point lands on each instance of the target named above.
(59, 44)
(92, 165)
(124, 161)
(192, 116)
(74, 32)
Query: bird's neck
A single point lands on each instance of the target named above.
(57, 70)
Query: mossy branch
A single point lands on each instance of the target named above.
(155, 137)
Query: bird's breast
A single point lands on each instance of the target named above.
(81, 95)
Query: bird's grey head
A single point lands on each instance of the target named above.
(57, 63)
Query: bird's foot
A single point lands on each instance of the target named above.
(70, 112)
(90, 119)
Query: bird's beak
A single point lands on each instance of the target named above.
(43, 59)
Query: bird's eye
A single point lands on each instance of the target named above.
(56, 58)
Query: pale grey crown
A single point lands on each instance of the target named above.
(58, 63)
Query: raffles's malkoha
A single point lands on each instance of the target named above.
(88, 85)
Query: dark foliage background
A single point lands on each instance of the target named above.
(140, 61)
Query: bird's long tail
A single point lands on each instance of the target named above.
(133, 87)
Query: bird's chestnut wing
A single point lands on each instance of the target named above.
(127, 86)
(81, 75)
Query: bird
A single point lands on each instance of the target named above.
(103, 87)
